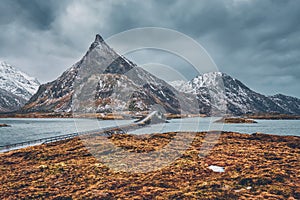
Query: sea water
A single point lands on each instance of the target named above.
(22, 130)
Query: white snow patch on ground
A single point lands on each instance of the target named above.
(216, 168)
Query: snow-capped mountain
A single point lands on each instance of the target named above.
(17, 82)
(10, 102)
(290, 104)
(238, 98)
(104, 81)
(16, 88)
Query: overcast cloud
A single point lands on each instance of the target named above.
(255, 41)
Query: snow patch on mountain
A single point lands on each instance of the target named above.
(10, 102)
(288, 103)
(239, 99)
(16, 81)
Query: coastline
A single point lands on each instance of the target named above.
(256, 166)
(101, 116)
(138, 115)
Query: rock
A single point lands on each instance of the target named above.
(235, 120)
(5, 125)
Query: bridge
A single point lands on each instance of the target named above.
(155, 116)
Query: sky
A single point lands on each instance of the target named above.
(254, 41)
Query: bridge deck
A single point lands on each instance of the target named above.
(105, 131)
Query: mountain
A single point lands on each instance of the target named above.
(16, 87)
(289, 104)
(9, 101)
(17, 82)
(104, 81)
(239, 98)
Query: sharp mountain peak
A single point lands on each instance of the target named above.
(98, 41)
(99, 38)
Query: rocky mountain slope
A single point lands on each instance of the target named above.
(17, 82)
(9, 101)
(239, 98)
(104, 81)
(290, 104)
(16, 87)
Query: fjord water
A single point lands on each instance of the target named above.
(31, 129)
(276, 127)
(27, 129)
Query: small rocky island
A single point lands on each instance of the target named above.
(4, 125)
(235, 120)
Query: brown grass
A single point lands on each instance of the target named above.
(66, 170)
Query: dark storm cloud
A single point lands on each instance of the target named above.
(34, 13)
(255, 41)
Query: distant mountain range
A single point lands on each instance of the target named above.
(238, 97)
(16, 87)
(104, 81)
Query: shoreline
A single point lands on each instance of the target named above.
(103, 116)
(256, 166)
(33, 143)
(138, 115)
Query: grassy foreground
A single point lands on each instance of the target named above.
(257, 166)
